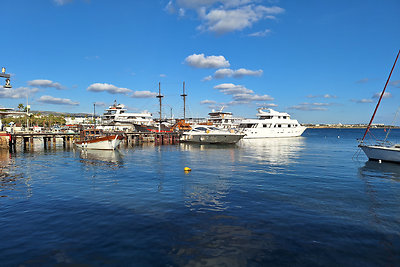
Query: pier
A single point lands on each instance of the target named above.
(26, 140)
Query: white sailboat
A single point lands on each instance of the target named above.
(384, 151)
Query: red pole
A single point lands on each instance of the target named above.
(380, 98)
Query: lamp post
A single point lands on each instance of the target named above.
(3, 74)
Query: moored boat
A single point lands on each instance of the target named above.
(384, 151)
(96, 139)
(271, 123)
(206, 134)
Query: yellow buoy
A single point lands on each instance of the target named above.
(187, 169)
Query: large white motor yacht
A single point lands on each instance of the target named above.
(224, 120)
(117, 114)
(271, 123)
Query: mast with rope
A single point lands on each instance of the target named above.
(380, 98)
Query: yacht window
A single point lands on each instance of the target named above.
(91, 132)
(247, 125)
(279, 117)
(264, 125)
(266, 117)
(279, 126)
(122, 111)
(289, 125)
(284, 117)
(97, 132)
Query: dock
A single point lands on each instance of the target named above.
(27, 140)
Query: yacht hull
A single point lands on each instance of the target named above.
(273, 132)
(391, 154)
(212, 138)
(102, 143)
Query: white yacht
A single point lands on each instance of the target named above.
(206, 134)
(224, 120)
(117, 114)
(271, 123)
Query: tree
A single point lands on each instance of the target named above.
(21, 107)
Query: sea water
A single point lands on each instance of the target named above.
(312, 200)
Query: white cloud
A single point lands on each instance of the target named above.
(105, 87)
(311, 106)
(201, 61)
(260, 33)
(100, 104)
(222, 16)
(20, 92)
(251, 97)
(362, 101)
(239, 73)
(143, 94)
(46, 84)
(223, 20)
(231, 89)
(163, 75)
(222, 73)
(322, 96)
(208, 102)
(395, 83)
(57, 101)
(62, 2)
(385, 95)
(206, 79)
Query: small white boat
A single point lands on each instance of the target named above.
(206, 134)
(96, 139)
(271, 123)
(384, 153)
(381, 152)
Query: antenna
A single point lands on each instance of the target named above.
(184, 101)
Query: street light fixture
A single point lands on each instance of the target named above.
(3, 74)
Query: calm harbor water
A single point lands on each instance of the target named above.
(302, 201)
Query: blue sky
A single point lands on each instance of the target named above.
(321, 61)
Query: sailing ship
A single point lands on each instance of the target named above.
(385, 151)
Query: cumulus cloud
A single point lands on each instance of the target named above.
(162, 75)
(208, 102)
(206, 79)
(260, 33)
(231, 89)
(395, 83)
(223, 73)
(223, 16)
(362, 101)
(57, 101)
(201, 61)
(251, 97)
(62, 2)
(322, 96)
(20, 92)
(223, 20)
(46, 84)
(100, 104)
(385, 95)
(143, 94)
(105, 87)
(311, 106)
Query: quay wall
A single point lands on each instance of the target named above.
(27, 141)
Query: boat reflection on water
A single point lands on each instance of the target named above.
(197, 146)
(275, 151)
(111, 158)
(12, 184)
(374, 169)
